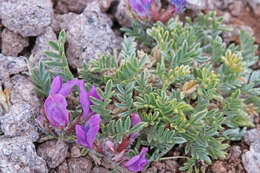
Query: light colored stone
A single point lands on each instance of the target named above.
(218, 167)
(100, 170)
(121, 15)
(227, 17)
(251, 158)
(79, 165)
(234, 35)
(63, 168)
(53, 152)
(19, 121)
(12, 65)
(17, 155)
(236, 8)
(255, 4)
(41, 45)
(251, 136)
(26, 17)
(89, 35)
(12, 43)
(75, 151)
(22, 90)
(76, 6)
(61, 21)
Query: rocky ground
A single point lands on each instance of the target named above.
(92, 27)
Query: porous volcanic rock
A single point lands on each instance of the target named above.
(251, 158)
(41, 45)
(19, 121)
(89, 35)
(53, 152)
(10, 66)
(26, 17)
(22, 90)
(121, 15)
(77, 6)
(79, 165)
(255, 4)
(17, 155)
(12, 43)
(60, 21)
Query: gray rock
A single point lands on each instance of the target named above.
(41, 45)
(75, 151)
(251, 136)
(17, 155)
(227, 17)
(255, 4)
(100, 170)
(61, 21)
(197, 4)
(208, 4)
(251, 158)
(63, 168)
(26, 17)
(236, 8)
(79, 165)
(218, 167)
(9, 66)
(105, 4)
(22, 90)
(19, 121)
(121, 15)
(12, 65)
(76, 6)
(89, 35)
(12, 43)
(53, 152)
(234, 35)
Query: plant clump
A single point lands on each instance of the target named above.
(183, 87)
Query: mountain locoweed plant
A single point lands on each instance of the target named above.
(183, 88)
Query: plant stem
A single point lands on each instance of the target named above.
(174, 157)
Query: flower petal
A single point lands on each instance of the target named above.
(56, 85)
(179, 4)
(93, 93)
(55, 107)
(137, 162)
(81, 136)
(141, 7)
(135, 119)
(93, 127)
(67, 87)
(84, 99)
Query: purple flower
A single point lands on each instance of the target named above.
(84, 99)
(55, 107)
(137, 162)
(67, 87)
(141, 7)
(93, 93)
(55, 85)
(64, 89)
(135, 119)
(87, 135)
(179, 4)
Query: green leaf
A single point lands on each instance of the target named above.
(54, 45)
(137, 128)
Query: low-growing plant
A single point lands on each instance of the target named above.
(190, 89)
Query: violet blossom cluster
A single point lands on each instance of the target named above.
(148, 9)
(55, 109)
